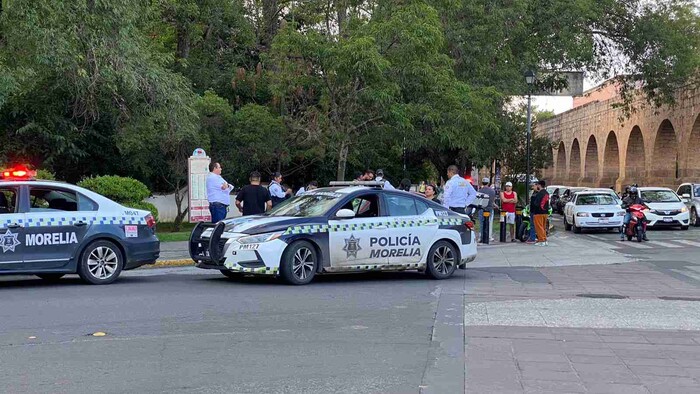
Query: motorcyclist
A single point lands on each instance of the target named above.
(630, 198)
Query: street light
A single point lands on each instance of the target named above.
(530, 80)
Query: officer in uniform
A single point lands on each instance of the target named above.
(380, 178)
(276, 191)
(459, 193)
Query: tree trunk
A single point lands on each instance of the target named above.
(180, 194)
(343, 159)
(342, 16)
(270, 25)
(183, 42)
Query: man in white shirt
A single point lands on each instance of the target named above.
(218, 193)
(459, 193)
(380, 178)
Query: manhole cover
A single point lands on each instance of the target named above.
(680, 298)
(611, 296)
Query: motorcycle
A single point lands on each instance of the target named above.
(523, 233)
(637, 226)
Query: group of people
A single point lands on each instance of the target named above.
(252, 199)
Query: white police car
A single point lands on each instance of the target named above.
(339, 229)
(52, 228)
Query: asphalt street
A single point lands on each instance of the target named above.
(586, 314)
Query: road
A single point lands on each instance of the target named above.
(586, 314)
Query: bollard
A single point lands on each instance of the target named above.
(502, 236)
(518, 219)
(485, 230)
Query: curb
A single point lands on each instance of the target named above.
(169, 263)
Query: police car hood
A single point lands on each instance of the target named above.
(264, 224)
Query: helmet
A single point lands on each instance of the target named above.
(633, 189)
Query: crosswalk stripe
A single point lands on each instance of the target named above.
(664, 244)
(637, 245)
(686, 242)
(598, 238)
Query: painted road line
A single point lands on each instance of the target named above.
(686, 242)
(664, 244)
(637, 245)
(598, 238)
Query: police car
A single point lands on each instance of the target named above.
(345, 228)
(52, 228)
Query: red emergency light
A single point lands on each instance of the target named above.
(18, 173)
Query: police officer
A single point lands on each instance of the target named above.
(277, 192)
(380, 178)
(459, 193)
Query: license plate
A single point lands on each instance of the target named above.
(603, 220)
(668, 220)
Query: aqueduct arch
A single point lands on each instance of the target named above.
(574, 163)
(664, 160)
(560, 167)
(692, 166)
(611, 161)
(635, 163)
(590, 164)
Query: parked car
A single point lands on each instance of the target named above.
(593, 209)
(665, 207)
(554, 193)
(565, 197)
(690, 195)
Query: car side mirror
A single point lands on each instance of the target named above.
(686, 196)
(345, 214)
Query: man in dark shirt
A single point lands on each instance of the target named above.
(253, 199)
(539, 212)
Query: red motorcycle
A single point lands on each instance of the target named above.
(637, 226)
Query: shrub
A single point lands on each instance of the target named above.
(45, 175)
(120, 189)
(146, 206)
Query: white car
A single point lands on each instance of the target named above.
(593, 209)
(665, 208)
(339, 229)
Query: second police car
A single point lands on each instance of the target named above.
(52, 228)
(339, 229)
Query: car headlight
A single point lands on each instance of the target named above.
(583, 214)
(684, 209)
(260, 238)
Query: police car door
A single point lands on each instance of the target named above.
(11, 229)
(411, 229)
(55, 227)
(353, 241)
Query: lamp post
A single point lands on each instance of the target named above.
(530, 80)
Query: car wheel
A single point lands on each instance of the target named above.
(442, 260)
(299, 263)
(694, 218)
(51, 277)
(567, 226)
(101, 263)
(231, 274)
(577, 229)
(684, 228)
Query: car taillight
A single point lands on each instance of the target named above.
(470, 225)
(150, 221)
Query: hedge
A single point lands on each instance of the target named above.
(120, 189)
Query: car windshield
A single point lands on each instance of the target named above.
(659, 196)
(697, 191)
(307, 205)
(596, 199)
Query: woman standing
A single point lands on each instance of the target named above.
(431, 193)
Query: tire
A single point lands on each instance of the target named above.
(629, 237)
(51, 277)
(567, 226)
(577, 229)
(684, 228)
(694, 218)
(100, 263)
(523, 233)
(299, 263)
(231, 274)
(640, 234)
(442, 260)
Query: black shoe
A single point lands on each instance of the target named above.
(645, 238)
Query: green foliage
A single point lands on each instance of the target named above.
(45, 175)
(117, 188)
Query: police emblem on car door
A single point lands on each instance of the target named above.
(350, 238)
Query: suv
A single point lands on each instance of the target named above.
(690, 195)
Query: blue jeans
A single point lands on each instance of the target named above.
(533, 234)
(218, 212)
(625, 222)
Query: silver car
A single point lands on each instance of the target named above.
(690, 195)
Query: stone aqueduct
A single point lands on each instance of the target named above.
(654, 146)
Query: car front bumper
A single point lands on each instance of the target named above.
(591, 222)
(681, 219)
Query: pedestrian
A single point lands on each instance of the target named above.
(218, 193)
(431, 193)
(405, 185)
(277, 192)
(491, 193)
(380, 178)
(421, 187)
(539, 211)
(368, 175)
(458, 192)
(509, 199)
(253, 199)
(311, 186)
